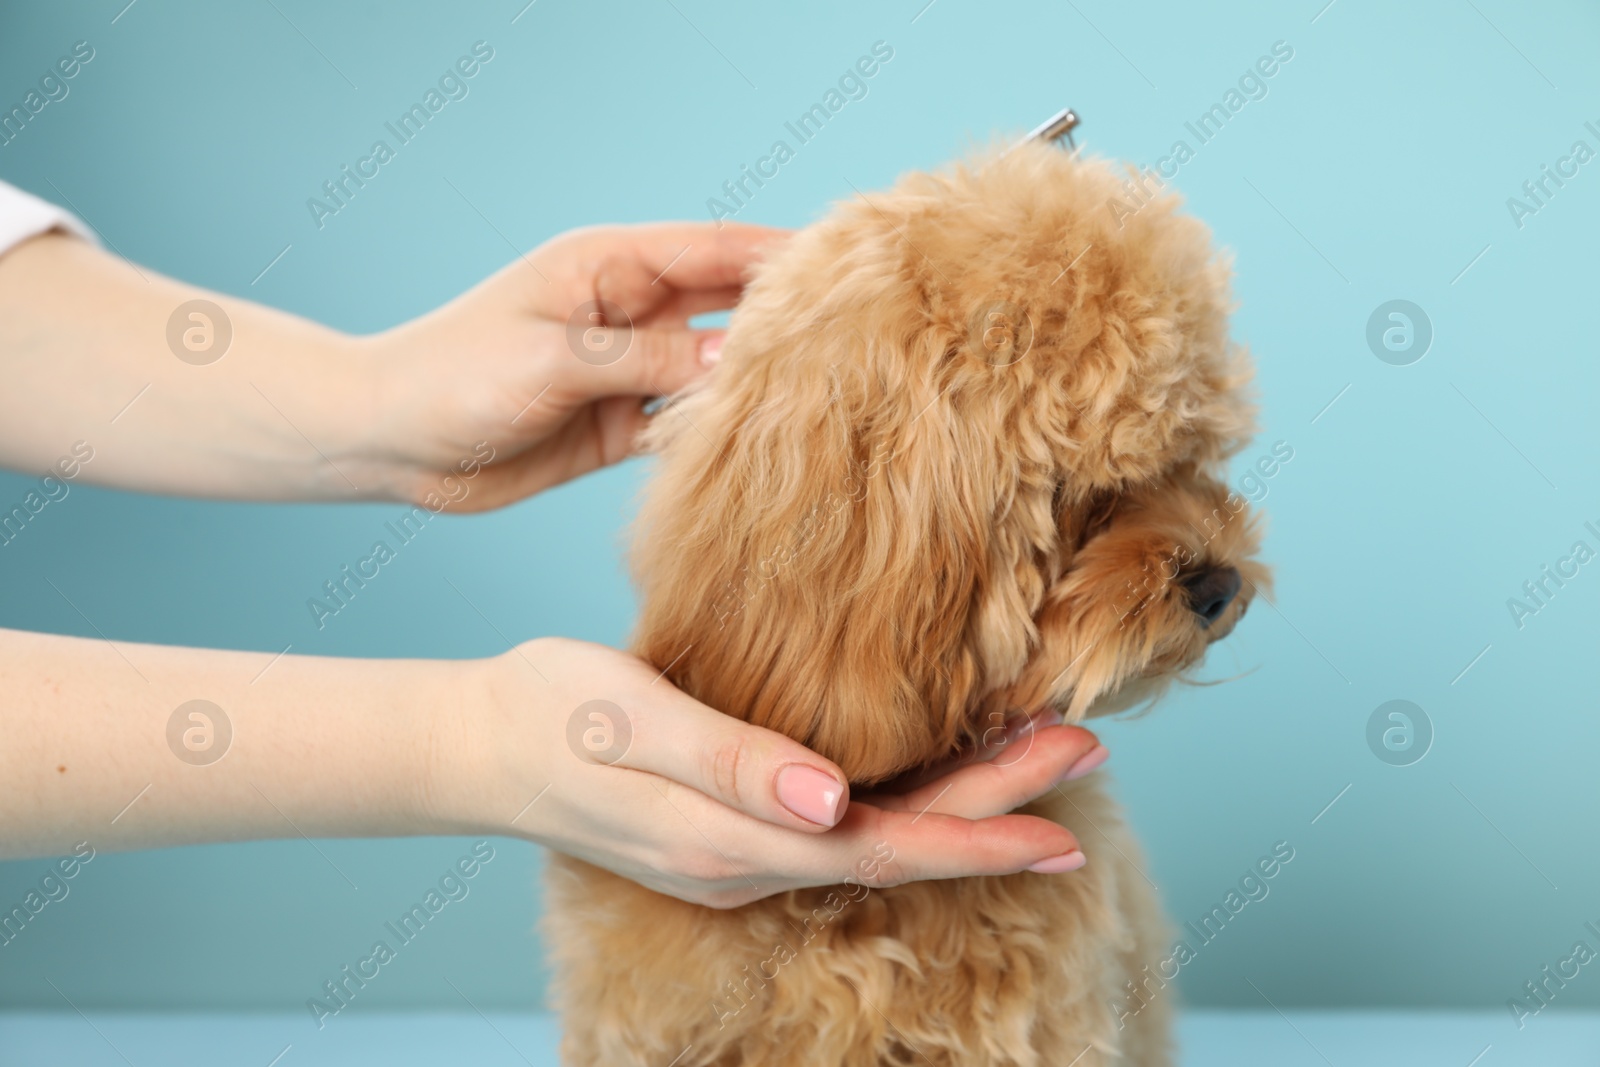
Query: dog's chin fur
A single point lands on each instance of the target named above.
(964, 445)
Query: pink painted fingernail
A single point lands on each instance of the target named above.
(1087, 762)
(810, 794)
(711, 349)
(1067, 861)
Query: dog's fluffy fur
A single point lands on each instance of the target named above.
(963, 446)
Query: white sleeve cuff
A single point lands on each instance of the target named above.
(23, 215)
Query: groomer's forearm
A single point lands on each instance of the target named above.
(95, 350)
(101, 743)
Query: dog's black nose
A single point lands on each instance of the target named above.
(1211, 591)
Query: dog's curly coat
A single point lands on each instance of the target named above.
(961, 456)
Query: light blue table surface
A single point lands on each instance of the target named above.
(1209, 1039)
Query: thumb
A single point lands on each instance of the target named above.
(639, 361)
(749, 768)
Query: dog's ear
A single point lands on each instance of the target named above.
(812, 552)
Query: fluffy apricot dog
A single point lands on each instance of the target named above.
(962, 458)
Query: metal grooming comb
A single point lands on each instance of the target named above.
(1057, 126)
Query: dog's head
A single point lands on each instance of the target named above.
(962, 456)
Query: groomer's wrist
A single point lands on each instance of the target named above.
(349, 386)
(483, 752)
(405, 378)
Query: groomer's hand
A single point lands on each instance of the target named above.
(533, 377)
(636, 777)
(552, 360)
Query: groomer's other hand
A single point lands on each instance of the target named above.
(690, 802)
(551, 361)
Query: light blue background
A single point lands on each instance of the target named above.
(1381, 161)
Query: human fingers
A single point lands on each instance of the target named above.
(640, 267)
(748, 768)
(883, 848)
(630, 361)
(680, 307)
(1026, 769)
